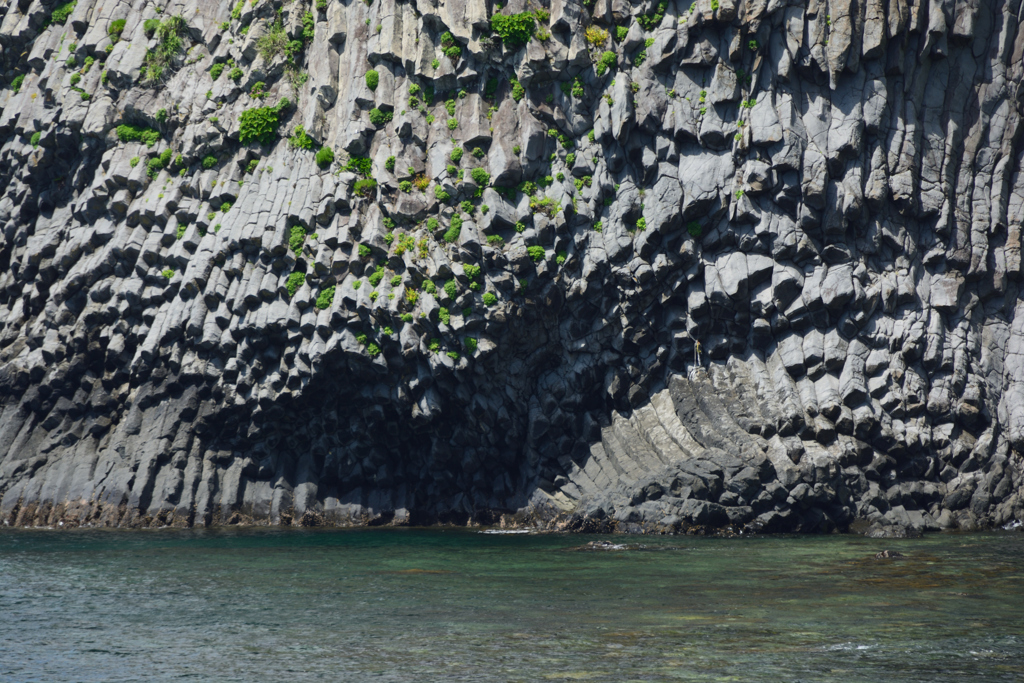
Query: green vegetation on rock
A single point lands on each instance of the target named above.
(129, 133)
(259, 124)
(295, 281)
(325, 157)
(61, 13)
(326, 298)
(514, 29)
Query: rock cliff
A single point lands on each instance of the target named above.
(334, 262)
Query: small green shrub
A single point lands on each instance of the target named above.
(453, 124)
(372, 79)
(405, 186)
(61, 13)
(259, 124)
(490, 299)
(236, 74)
(607, 61)
(514, 29)
(295, 281)
(365, 187)
(308, 26)
(296, 238)
(379, 118)
(16, 83)
(364, 251)
(326, 298)
(157, 164)
(133, 162)
(454, 229)
(129, 133)
(649, 22)
(272, 43)
(454, 355)
(167, 273)
(34, 140)
(115, 29)
(252, 166)
(451, 289)
(435, 345)
(444, 316)
(518, 91)
(693, 227)
(299, 139)
(376, 276)
(440, 194)
(389, 165)
(325, 157)
(361, 165)
(480, 177)
(209, 162)
(536, 253)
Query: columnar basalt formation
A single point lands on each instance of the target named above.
(334, 262)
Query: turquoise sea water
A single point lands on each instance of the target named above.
(458, 605)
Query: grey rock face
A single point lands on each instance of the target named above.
(487, 304)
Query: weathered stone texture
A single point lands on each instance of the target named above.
(826, 197)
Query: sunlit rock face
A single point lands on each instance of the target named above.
(613, 266)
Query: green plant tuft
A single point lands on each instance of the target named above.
(326, 298)
(61, 13)
(514, 29)
(116, 28)
(325, 157)
(295, 281)
(480, 177)
(379, 118)
(360, 165)
(372, 79)
(299, 139)
(296, 238)
(365, 187)
(518, 91)
(129, 133)
(607, 61)
(259, 124)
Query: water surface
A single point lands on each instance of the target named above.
(457, 605)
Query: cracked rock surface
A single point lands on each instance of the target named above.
(331, 262)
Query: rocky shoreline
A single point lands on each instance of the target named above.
(603, 266)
